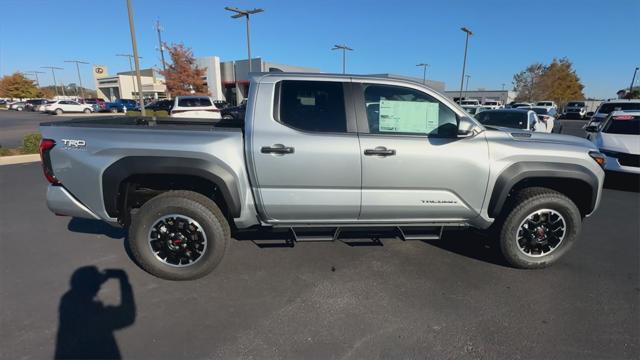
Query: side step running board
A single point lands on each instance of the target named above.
(315, 234)
(406, 233)
(421, 233)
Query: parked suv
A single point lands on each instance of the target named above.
(59, 107)
(610, 106)
(321, 154)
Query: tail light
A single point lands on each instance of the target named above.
(45, 147)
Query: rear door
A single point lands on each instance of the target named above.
(305, 152)
(414, 167)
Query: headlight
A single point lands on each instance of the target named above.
(598, 157)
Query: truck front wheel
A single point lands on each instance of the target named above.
(541, 227)
(179, 235)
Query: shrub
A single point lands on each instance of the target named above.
(31, 143)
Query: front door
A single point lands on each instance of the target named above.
(305, 153)
(414, 167)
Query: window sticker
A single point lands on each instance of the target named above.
(408, 116)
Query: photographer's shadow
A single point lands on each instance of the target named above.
(86, 326)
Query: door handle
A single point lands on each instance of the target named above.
(277, 149)
(380, 151)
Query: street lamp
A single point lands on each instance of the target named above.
(53, 68)
(633, 79)
(131, 68)
(79, 77)
(134, 46)
(344, 49)
(35, 73)
(464, 63)
(466, 89)
(240, 13)
(424, 73)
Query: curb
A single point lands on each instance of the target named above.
(19, 159)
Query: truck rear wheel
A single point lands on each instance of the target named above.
(541, 227)
(179, 235)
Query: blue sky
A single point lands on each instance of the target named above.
(600, 37)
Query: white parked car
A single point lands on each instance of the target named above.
(18, 105)
(60, 107)
(195, 107)
(618, 138)
(470, 102)
(493, 104)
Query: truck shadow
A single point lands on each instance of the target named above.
(472, 244)
(97, 227)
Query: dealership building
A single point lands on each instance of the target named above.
(228, 80)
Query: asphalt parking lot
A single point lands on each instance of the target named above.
(452, 298)
(14, 125)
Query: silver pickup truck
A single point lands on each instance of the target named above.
(321, 154)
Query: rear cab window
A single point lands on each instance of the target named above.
(194, 102)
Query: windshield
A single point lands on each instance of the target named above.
(608, 108)
(512, 119)
(623, 124)
(575, 104)
(540, 111)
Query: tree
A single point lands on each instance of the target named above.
(525, 82)
(183, 76)
(557, 81)
(560, 83)
(18, 86)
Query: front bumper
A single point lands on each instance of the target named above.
(61, 202)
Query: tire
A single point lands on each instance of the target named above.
(206, 217)
(113, 110)
(87, 111)
(58, 112)
(514, 239)
(227, 117)
(19, 108)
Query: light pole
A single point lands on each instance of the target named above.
(161, 47)
(503, 84)
(464, 63)
(79, 77)
(633, 79)
(134, 46)
(424, 72)
(130, 68)
(35, 73)
(240, 13)
(53, 73)
(466, 89)
(344, 49)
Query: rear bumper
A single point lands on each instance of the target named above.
(61, 202)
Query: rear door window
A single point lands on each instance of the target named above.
(316, 106)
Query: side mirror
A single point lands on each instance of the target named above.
(590, 113)
(591, 129)
(466, 128)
